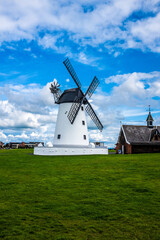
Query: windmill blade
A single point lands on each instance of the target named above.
(92, 87)
(74, 111)
(93, 116)
(56, 84)
(72, 72)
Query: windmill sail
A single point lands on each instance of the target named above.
(92, 87)
(73, 111)
(93, 116)
(82, 99)
(72, 72)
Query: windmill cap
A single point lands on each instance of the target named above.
(69, 95)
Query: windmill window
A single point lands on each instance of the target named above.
(84, 136)
(82, 108)
(83, 122)
(58, 136)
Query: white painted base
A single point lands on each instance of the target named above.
(55, 151)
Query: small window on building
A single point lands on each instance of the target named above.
(83, 122)
(84, 136)
(82, 108)
(58, 136)
(150, 122)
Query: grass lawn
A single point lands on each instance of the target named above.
(112, 150)
(79, 197)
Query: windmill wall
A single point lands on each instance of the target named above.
(71, 134)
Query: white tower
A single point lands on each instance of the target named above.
(66, 133)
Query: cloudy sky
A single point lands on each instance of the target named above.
(116, 40)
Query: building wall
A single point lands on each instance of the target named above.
(123, 146)
(146, 148)
(127, 148)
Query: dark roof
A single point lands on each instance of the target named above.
(70, 95)
(149, 118)
(154, 132)
(140, 134)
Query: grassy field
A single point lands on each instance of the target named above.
(112, 151)
(79, 197)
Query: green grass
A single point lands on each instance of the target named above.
(112, 150)
(79, 197)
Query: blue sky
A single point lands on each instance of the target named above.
(118, 41)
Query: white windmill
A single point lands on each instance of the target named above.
(71, 133)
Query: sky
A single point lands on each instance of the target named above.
(116, 40)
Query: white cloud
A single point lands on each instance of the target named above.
(147, 31)
(83, 22)
(134, 89)
(33, 55)
(27, 49)
(23, 135)
(13, 118)
(120, 78)
(19, 125)
(27, 107)
(3, 137)
(29, 98)
(96, 136)
(11, 47)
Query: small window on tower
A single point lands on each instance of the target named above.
(82, 108)
(84, 136)
(150, 122)
(58, 136)
(83, 122)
